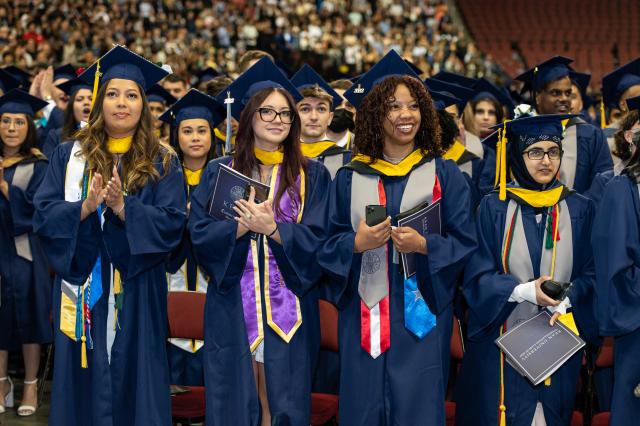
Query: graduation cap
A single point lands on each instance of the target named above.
(390, 65)
(459, 79)
(17, 101)
(464, 94)
(194, 104)
(542, 74)
(414, 67)
(307, 77)
(485, 89)
(19, 74)
(581, 80)
(263, 74)
(157, 93)
(633, 103)
(618, 81)
(443, 100)
(207, 74)
(120, 62)
(67, 71)
(70, 87)
(7, 81)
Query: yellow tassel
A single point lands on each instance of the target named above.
(83, 353)
(503, 408)
(498, 156)
(603, 117)
(547, 381)
(96, 83)
(503, 415)
(503, 164)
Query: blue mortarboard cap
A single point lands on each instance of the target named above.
(157, 93)
(70, 87)
(67, 71)
(120, 62)
(207, 74)
(633, 103)
(17, 101)
(443, 100)
(263, 74)
(7, 81)
(19, 74)
(618, 81)
(414, 67)
(485, 89)
(391, 64)
(531, 129)
(194, 104)
(307, 77)
(459, 79)
(542, 74)
(452, 89)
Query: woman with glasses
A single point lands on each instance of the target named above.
(261, 319)
(109, 211)
(25, 287)
(616, 246)
(531, 230)
(395, 318)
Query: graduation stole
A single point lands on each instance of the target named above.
(556, 259)
(218, 134)
(76, 301)
(367, 187)
(281, 304)
(316, 149)
(331, 154)
(461, 156)
(269, 158)
(192, 176)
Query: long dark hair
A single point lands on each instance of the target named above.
(244, 159)
(622, 147)
(375, 108)
(30, 141)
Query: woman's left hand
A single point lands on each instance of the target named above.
(257, 218)
(407, 240)
(114, 198)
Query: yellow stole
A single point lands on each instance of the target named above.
(390, 169)
(269, 158)
(119, 145)
(192, 176)
(455, 152)
(315, 149)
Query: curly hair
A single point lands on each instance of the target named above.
(138, 164)
(622, 147)
(449, 130)
(374, 109)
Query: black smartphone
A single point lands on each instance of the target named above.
(556, 290)
(375, 214)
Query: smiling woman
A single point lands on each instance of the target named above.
(110, 209)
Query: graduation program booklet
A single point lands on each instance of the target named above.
(425, 219)
(230, 187)
(537, 350)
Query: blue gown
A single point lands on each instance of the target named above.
(231, 390)
(185, 367)
(133, 389)
(56, 121)
(26, 287)
(487, 291)
(406, 383)
(53, 139)
(616, 245)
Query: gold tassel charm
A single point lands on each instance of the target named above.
(83, 353)
(603, 117)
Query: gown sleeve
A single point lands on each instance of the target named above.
(214, 241)
(437, 272)
(616, 249)
(602, 161)
(72, 246)
(153, 227)
(17, 211)
(301, 241)
(336, 254)
(486, 288)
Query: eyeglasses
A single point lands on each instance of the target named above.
(18, 122)
(269, 114)
(539, 153)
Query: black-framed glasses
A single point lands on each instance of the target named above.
(539, 153)
(269, 114)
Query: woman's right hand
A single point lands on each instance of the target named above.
(372, 237)
(541, 298)
(95, 197)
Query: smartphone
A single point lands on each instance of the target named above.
(375, 214)
(555, 289)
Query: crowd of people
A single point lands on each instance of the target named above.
(338, 37)
(199, 166)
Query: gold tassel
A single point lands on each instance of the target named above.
(503, 415)
(603, 117)
(96, 83)
(503, 408)
(498, 155)
(503, 164)
(83, 346)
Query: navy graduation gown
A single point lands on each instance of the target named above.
(487, 291)
(26, 288)
(53, 139)
(616, 245)
(406, 383)
(56, 121)
(231, 389)
(134, 388)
